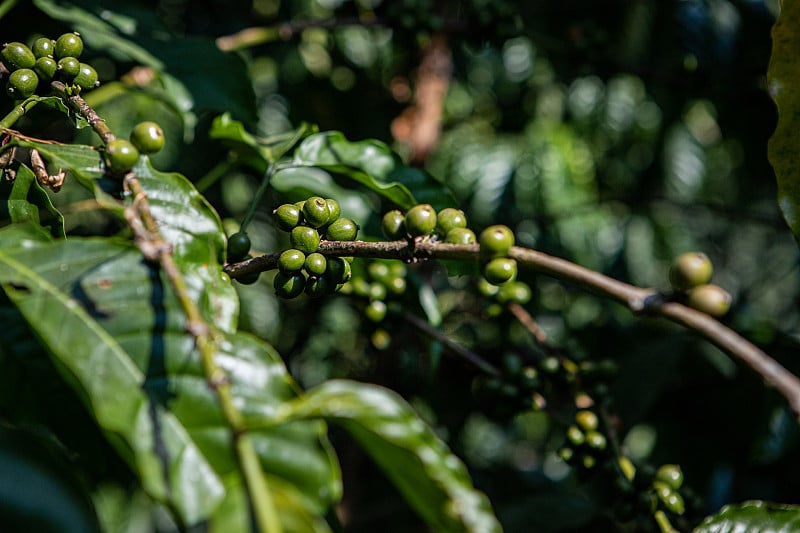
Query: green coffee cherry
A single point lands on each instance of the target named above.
(68, 45)
(16, 56)
(500, 270)
(375, 310)
(514, 292)
(121, 155)
(487, 289)
(147, 136)
(22, 83)
(496, 241)
(420, 220)
(46, 68)
(575, 436)
(450, 218)
(342, 229)
(319, 286)
(710, 299)
(379, 271)
(289, 285)
(43, 47)
(587, 420)
(316, 212)
(393, 225)
(287, 216)
(550, 365)
(316, 264)
(334, 209)
(671, 475)
(291, 261)
(566, 454)
(377, 291)
(338, 270)
(396, 286)
(669, 497)
(596, 440)
(87, 78)
(238, 246)
(690, 270)
(69, 66)
(460, 236)
(304, 239)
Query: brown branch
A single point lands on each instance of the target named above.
(284, 31)
(531, 325)
(639, 300)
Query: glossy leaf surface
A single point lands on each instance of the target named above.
(753, 517)
(433, 480)
(118, 334)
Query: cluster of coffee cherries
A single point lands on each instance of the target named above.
(377, 281)
(642, 491)
(302, 268)
(651, 491)
(146, 138)
(44, 61)
(584, 440)
(690, 277)
(450, 226)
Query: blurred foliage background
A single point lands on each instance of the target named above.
(615, 134)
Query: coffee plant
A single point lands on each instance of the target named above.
(356, 265)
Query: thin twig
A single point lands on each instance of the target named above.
(457, 348)
(530, 324)
(640, 301)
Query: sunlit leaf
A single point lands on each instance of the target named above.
(373, 165)
(784, 85)
(433, 480)
(108, 379)
(83, 163)
(250, 150)
(753, 517)
(119, 335)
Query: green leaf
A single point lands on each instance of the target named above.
(186, 220)
(783, 77)
(298, 183)
(252, 151)
(58, 104)
(433, 480)
(106, 375)
(753, 517)
(98, 33)
(118, 334)
(24, 200)
(83, 163)
(374, 165)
